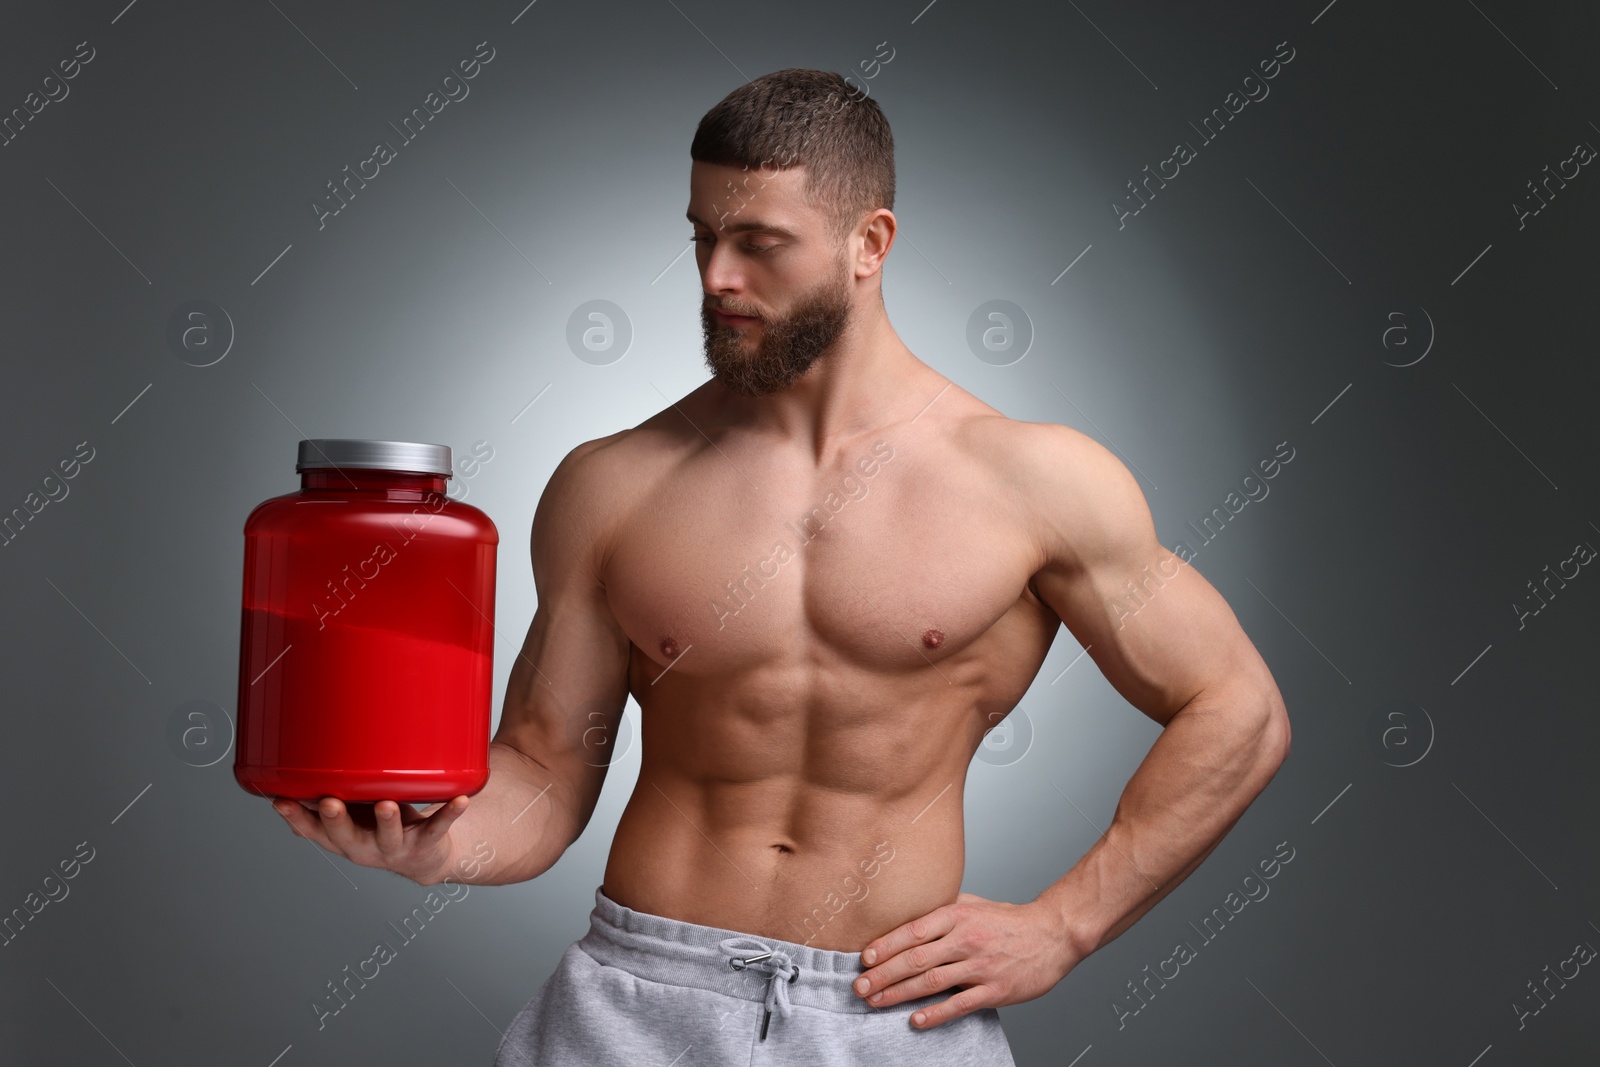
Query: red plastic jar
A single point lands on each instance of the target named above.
(366, 648)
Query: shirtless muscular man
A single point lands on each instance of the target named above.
(823, 575)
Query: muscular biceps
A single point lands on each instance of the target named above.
(1157, 629)
(569, 682)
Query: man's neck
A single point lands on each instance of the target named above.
(858, 385)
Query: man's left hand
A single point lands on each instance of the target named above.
(1002, 953)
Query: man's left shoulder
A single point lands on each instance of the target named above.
(1035, 455)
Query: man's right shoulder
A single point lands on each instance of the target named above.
(614, 466)
(597, 485)
(583, 459)
(621, 465)
(600, 482)
(591, 479)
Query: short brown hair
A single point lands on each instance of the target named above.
(799, 116)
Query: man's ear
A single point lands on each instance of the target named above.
(877, 237)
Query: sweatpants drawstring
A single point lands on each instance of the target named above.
(781, 971)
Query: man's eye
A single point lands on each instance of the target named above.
(697, 238)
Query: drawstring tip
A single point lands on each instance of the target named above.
(765, 1019)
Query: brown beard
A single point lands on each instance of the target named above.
(788, 346)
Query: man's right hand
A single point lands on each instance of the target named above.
(393, 836)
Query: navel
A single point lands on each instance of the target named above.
(932, 637)
(669, 648)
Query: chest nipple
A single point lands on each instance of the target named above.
(669, 648)
(932, 637)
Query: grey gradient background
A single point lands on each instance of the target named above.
(1247, 304)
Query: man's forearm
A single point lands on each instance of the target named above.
(1212, 759)
(516, 826)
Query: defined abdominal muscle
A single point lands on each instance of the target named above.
(806, 866)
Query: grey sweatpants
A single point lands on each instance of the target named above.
(642, 990)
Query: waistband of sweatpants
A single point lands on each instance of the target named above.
(670, 951)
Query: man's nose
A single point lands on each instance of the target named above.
(721, 273)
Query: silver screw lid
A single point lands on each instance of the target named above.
(341, 452)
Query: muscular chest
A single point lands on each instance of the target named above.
(894, 570)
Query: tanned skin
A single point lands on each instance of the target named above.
(806, 714)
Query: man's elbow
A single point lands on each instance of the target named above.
(1273, 734)
(1261, 723)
